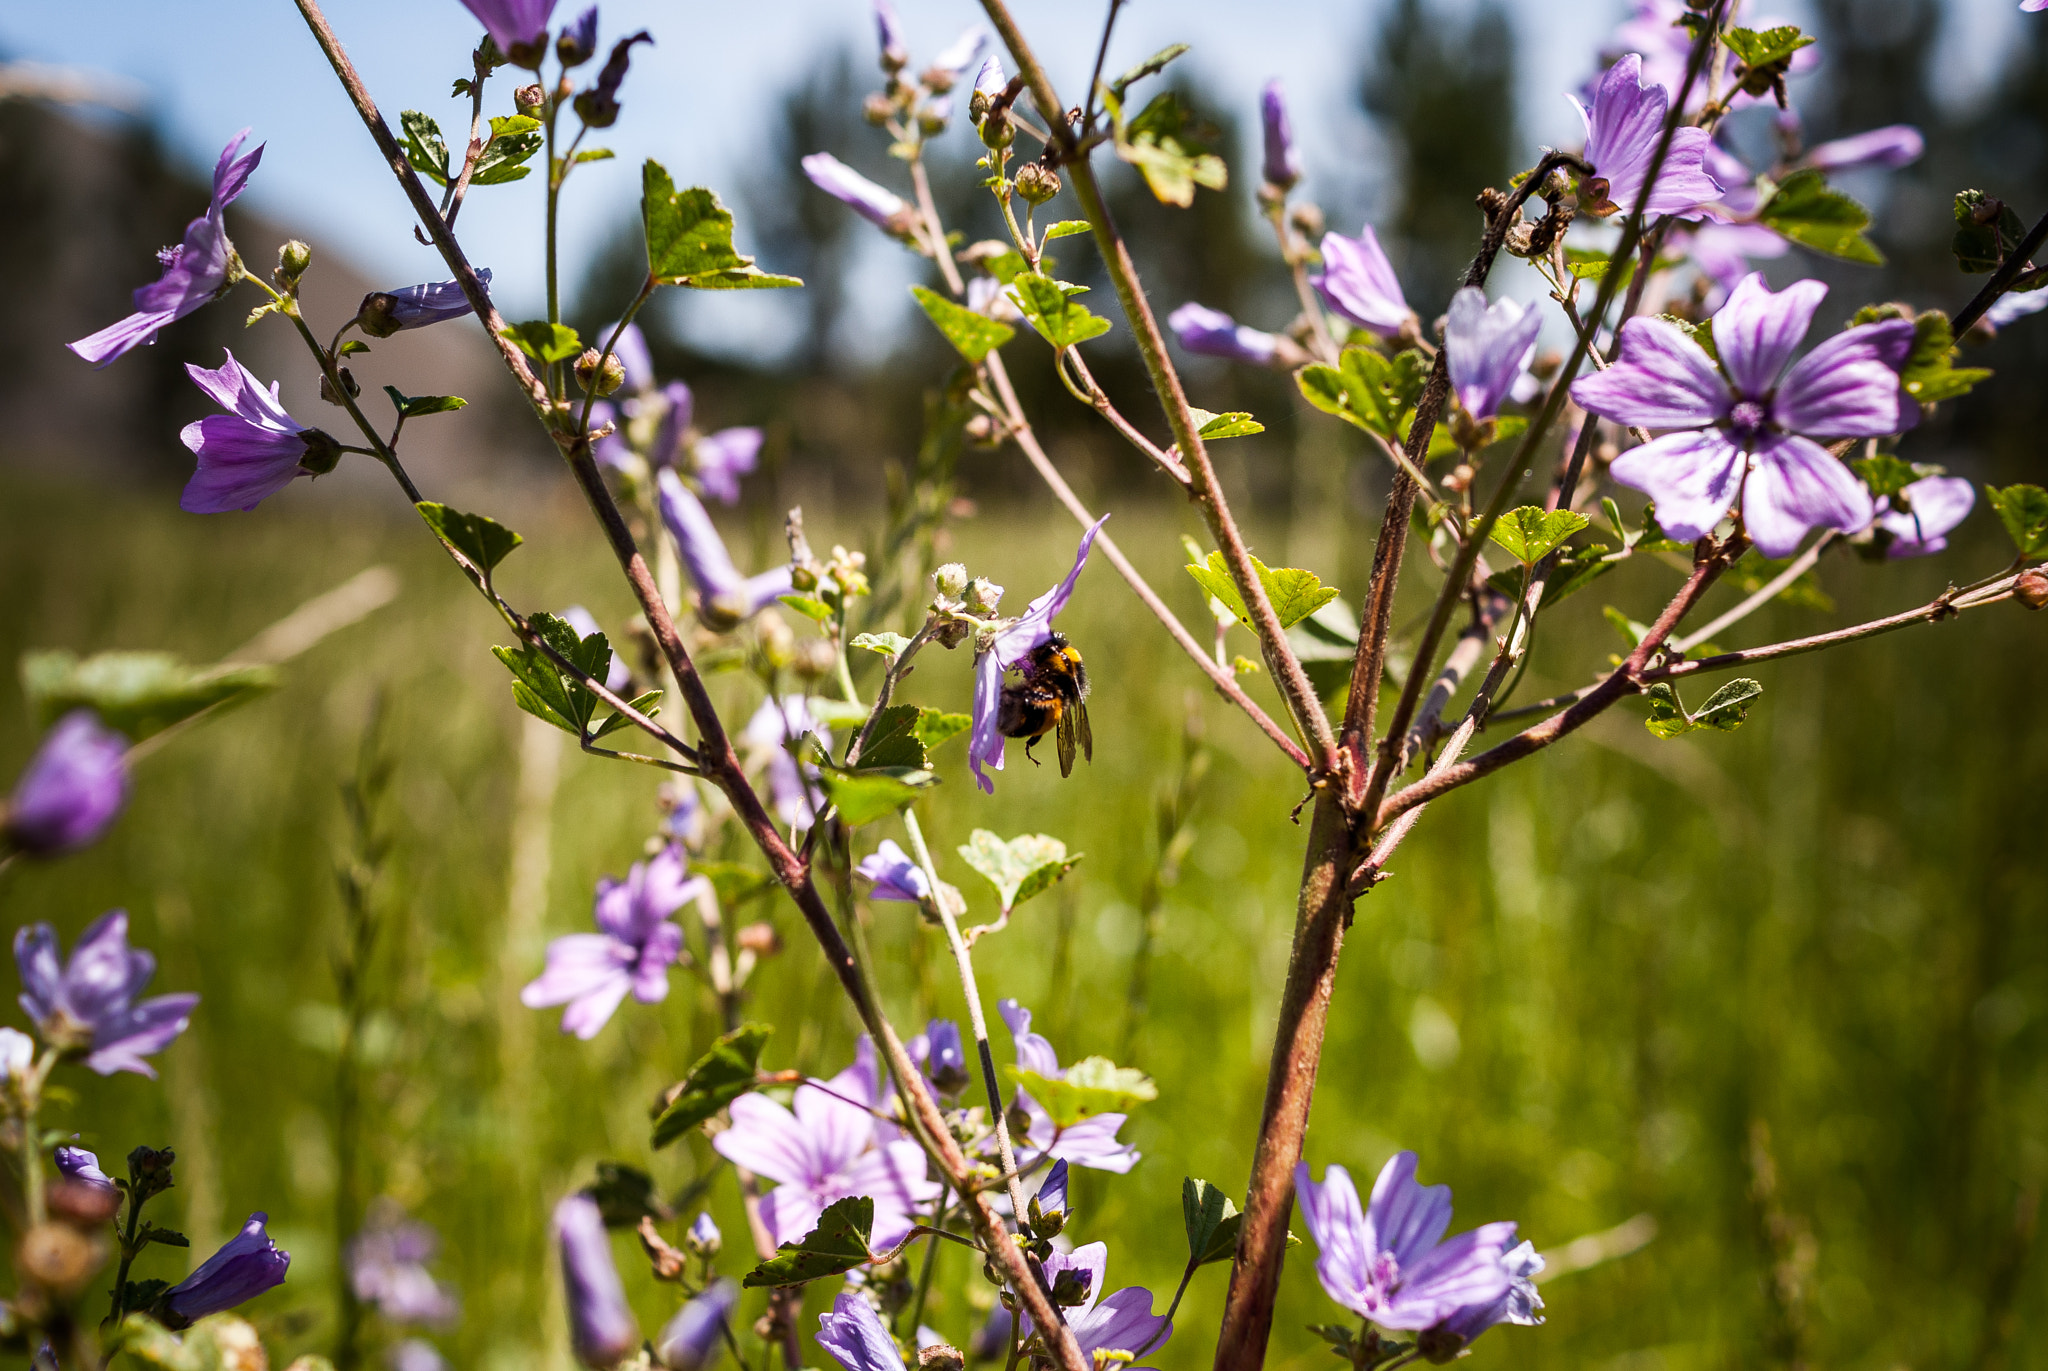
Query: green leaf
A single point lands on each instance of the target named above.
(1771, 45)
(485, 541)
(1295, 594)
(734, 883)
(835, 713)
(1667, 716)
(839, 1243)
(514, 139)
(1929, 374)
(689, 238)
(1701, 331)
(1065, 228)
(1236, 424)
(540, 688)
(1151, 66)
(1019, 868)
(169, 1237)
(1529, 533)
(543, 341)
(719, 1077)
(867, 794)
(625, 1195)
(935, 726)
(1053, 311)
(1804, 209)
(1592, 264)
(1986, 230)
(424, 147)
(594, 155)
(894, 742)
(413, 406)
(1170, 148)
(648, 703)
(1885, 474)
(1727, 707)
(1575, 569)
(971, 334)
(351, 348)
(135, 693)
(1090, 1087)
(1631, 629)
(1368, 388)
(1205, 1210)
(810, 606)
(1005, 266)
(888, 644)
(2023, 509)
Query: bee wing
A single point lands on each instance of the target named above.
(1065, 738)
(1080, 713)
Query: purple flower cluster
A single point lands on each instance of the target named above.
(1122, 1322)
(592, 973)
(87, 1005)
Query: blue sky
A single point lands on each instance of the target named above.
(697, 100)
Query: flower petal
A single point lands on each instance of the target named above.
(1404, 1218)
(1756, 331)
(1797, 484)
(1663, 380)
(1693, 477)
(1848, 387)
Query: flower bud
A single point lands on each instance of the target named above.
(1037, 183)
(348, 383)
(940, 1357)
(323, 452)
(950, 580)
(529, 99)
(996, 132)
(292, 260)
(2031, 589)
(577, 43)
(603, 373)
(877, 108)
(813, 659)
(1307, 219)
(704, 1239)
(777, 643)
(1071, 1286)
(983, 595)
(71, 791)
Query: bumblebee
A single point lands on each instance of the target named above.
(1052, 698)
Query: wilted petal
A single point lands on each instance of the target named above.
(77, 1164)
(1663, 380)
(1796, 485)
(1693, 477)
(1756, 331)
(1848, 387)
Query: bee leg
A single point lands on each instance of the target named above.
(1030, 743)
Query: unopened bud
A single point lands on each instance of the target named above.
(983, 595)
(950, 580)
(877, 108)
(1071, 1286)
(292, 260)
(1307, 219)
(58, 1257)
(778, 644)
(939, 1357)
(703, 1237)
(813, 659)
(378, 314)
(528, 99)
(995, 128)
(2031, 589)
(348, 383)
(1037, 182)
(603, 373)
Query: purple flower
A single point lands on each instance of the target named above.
(704, 1234)
(1357, 282)
(617, 676)
(775, 726)
(518, 27)
(720, 459)
(896, 877)
(884, 209)
(694, 1338)
(957, 58)
(388, 1268)
(1919, 518)
(1121, 1322)
(889, 33)
(77, 1164)
(1212, 333)
(2014, 306)
(601, 1324)
(1283, 162)
(577, 43)
(1740, 433)
(1622, 132)
(415, 1354)
(677, 406)
(251, 452)
(591, 972)
(827, 1149)
(1517, 1304)
(1390, 1263)
(1092, 1142)
(246, 1266)
(631, 349)
(195, 271)
(1009, 648)
(854, 1335)
(944, 1059)
(2033, 6)
(88, 1004)
(71, 791)
(1488, 347)
(1722, 252)
(725, 599)
(1891, 146)
(990, 81)
(385, 312)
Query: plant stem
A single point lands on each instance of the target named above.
(931, 1261)
(1778, 585)
(2015, 262)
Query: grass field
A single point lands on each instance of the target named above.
(1784, 991)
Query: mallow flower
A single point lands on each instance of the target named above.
(385, 312)
(1212, 333)
(591, 973)
(952, 63)
(601, 1325)
(577, 43)
(1390, 1262)
(725, 599)
(1918, 519)
(1010, 647)
(883, 208)
(822, 1151)
(1119, 1322)
(1282, 161)
(894, 875)
(1722, 252)
(1091, 1142)
(72, 789)
(1488, 348)
(775, 727)
(1357, 282)
(2033, 6)
(1445, 1340)
(1622, 132)
(246, 1266)
(1740, 428)
(2014, 306)
(518, 27)
(77, 1164)
(251, 452)
(718, 460)
(88, 1006)
(387, 1265)
(195, 271)
(695, 1337)
(854, 1336)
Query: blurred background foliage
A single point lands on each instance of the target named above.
(1785, 992)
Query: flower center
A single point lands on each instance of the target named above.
(1749, 418)
(1386, 1273)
